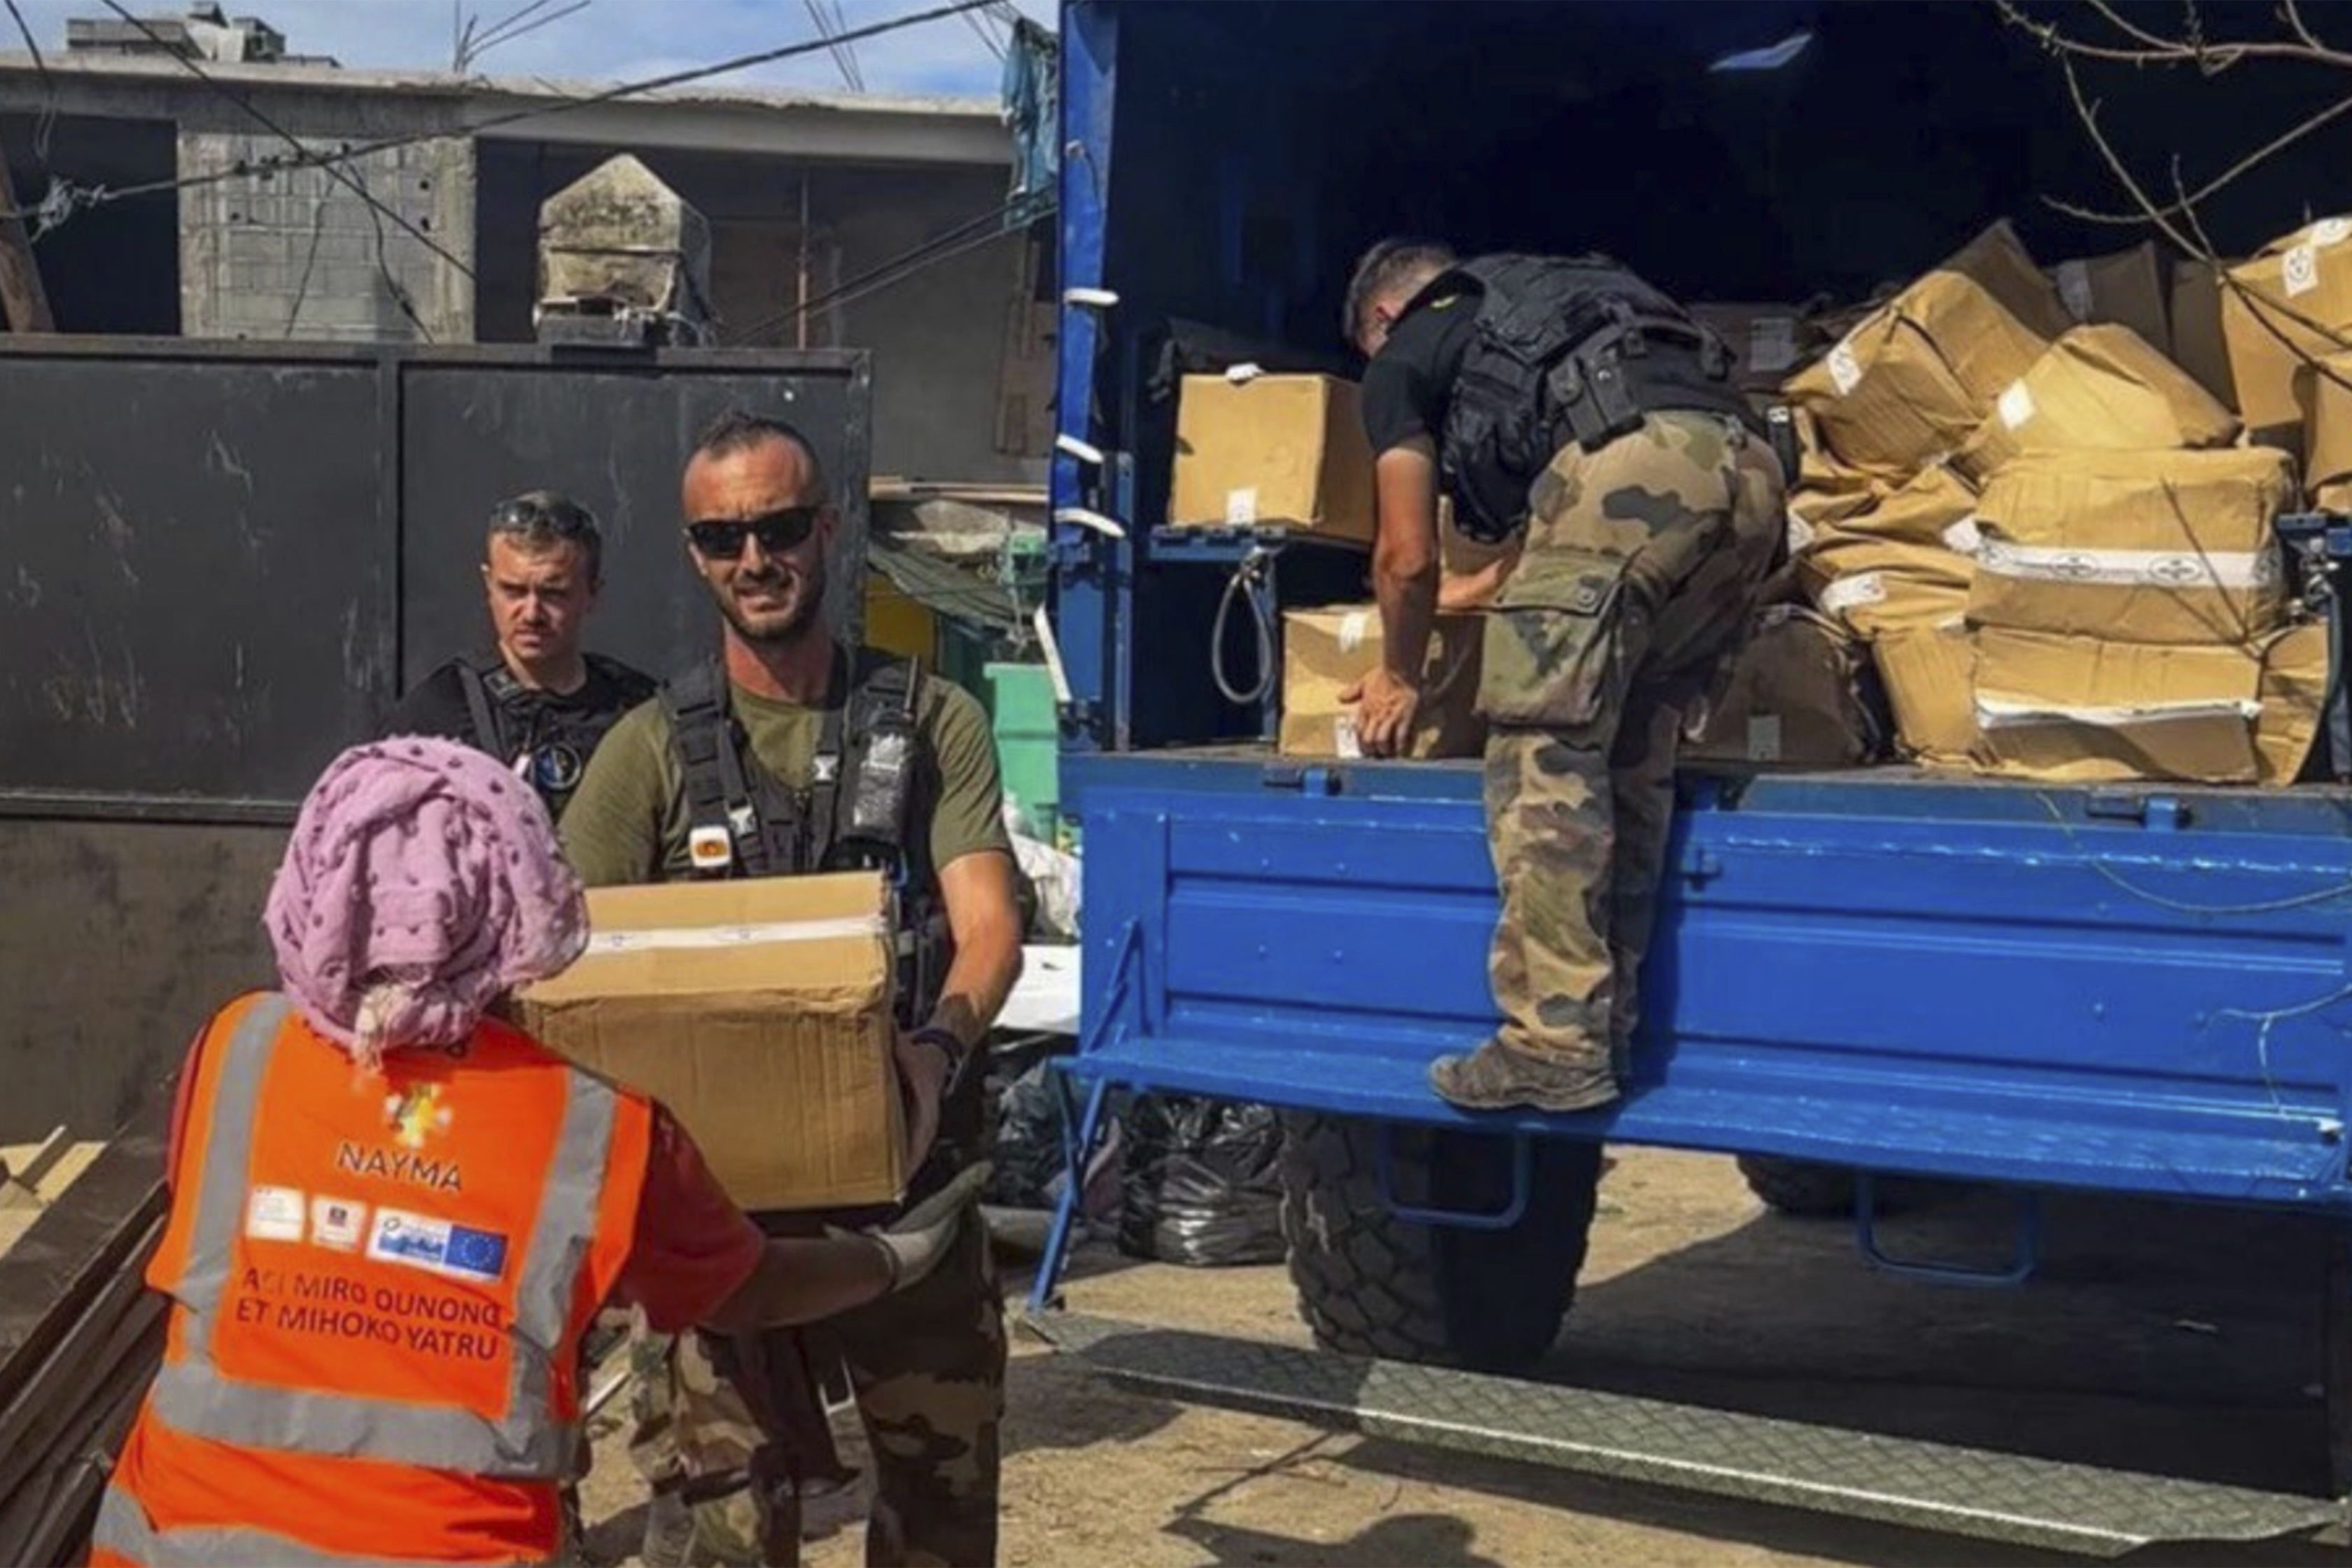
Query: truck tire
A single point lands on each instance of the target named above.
(1371, 1284)
(1798, 1187)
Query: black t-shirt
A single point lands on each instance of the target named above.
(558, 732)
(1408, 384)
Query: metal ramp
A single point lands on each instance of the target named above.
(1926, 1486)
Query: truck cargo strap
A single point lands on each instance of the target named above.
(1972, 1492)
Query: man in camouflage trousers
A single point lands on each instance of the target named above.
(843, 757)
(1646, 535)
(930, 1376)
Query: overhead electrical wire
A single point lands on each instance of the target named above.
(334, 171)
(981, 229)
(83, 197)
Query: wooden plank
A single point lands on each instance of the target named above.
(22, 297)
(44, 1158)
(60, 1534)
(77, 1245)
(112, 1323)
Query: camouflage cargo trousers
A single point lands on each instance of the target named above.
(1641, 561)
(927, 1369)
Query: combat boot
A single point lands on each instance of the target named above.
(1496, 1077)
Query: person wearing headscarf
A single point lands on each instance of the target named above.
(393, 1218)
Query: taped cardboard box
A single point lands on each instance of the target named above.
(2199, 346)
(1929, 674)
(2290, 304)
(1286, 451)
(2325, 391)
(760, 1011)
(2126, 289)
(1801, 693)
(2143, 547)
(1827, 490)
(2099, 388)
(1326, 651)
(1914, 381)
(1937, 509)
(1876, 587)
(2293, 697)
(2074, 710)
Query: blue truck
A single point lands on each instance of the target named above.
(2132, 990)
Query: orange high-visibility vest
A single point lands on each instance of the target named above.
(379, 1288)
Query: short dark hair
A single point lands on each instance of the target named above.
(1392, 262)
(741, 430)
(542, 520)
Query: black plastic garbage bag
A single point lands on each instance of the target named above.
(1203, 1183)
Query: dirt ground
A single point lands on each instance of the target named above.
(2170, 1340)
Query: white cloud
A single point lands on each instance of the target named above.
(615, 40)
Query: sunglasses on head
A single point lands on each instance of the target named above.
(530, 514)
(777, 532)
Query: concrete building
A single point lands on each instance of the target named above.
(171, 208)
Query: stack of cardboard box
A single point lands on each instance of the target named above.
(2039, 505)
(2055, 536)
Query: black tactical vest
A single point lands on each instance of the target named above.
(864, 807)
(1573, 348)
(548, 743)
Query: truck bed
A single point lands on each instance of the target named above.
(2137, 989)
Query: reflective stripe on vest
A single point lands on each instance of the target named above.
(193, 1396)
(122, 1528)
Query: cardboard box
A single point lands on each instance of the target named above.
(2143, 547)
(2291, 303)
(1770, 343)
(759, 1012)
(1915, 380)
(2079, 709)
(1801, 694)
(2098, 388)
(1929, 673)
(1937, 509)
(2126, 289)
(2199, 346)
(1286, 451)
(1326, 651)
(2293, 697)
(1876, 587)
(2324, 391)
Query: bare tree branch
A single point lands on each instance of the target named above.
(2129, 29)
(2149, 48)
(2266, 310)
(2294, 14)
(2236, 171)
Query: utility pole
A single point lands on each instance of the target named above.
(22, 297)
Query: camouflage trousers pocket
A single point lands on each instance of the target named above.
(1552, 656)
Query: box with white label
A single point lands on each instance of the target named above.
(2289, 304)
(760, 1011)
(1271, 451)
(1325, 652)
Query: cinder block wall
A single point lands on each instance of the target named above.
(301, 254)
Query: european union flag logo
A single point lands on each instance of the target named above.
(479, 1253)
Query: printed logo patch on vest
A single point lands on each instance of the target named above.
(337, 1224)
(437, 1246)
(710, 849)
(274, 1214)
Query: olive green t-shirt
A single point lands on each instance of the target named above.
(628, 821)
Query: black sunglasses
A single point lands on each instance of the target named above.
(777, 532)
(529, 514)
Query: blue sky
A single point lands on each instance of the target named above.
(618, 41)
